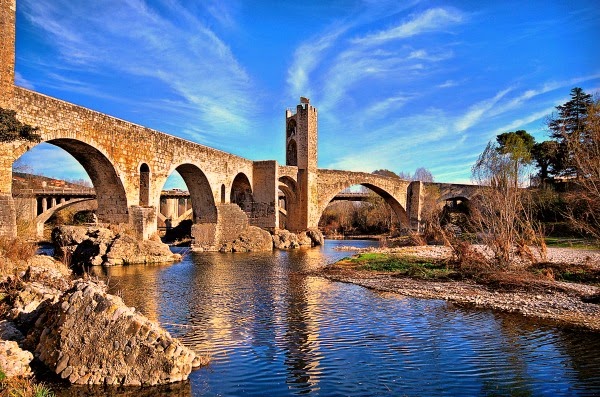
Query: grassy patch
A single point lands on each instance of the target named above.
(570, 242)
(403, 266)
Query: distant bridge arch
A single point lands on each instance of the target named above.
(392, 190)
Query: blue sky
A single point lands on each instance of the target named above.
(398, 84)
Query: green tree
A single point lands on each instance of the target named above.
(11, 129)
(519, 143)
(544, 154)
(568, 125)
(515, 150)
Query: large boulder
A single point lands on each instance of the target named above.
(43, 282)
(91, 337)
(94, 246)
(252, 239)
(284, 239)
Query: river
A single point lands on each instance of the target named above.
(272, 330)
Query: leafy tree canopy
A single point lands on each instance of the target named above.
(12, 129)
(519, 145)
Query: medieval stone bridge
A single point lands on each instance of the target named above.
(129, 164)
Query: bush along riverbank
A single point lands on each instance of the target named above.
(57, 323)
(564, 289)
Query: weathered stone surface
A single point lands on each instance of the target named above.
(284, 239)
(316, 236)
(39, 284)
(91, 337)
(14, 361)
(252, 239)
(94, 246)
(128, 250)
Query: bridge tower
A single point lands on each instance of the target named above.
(301, 151)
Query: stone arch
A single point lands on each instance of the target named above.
(42, 218)
(144, 185)
(394, 204)
(110, 191)
(292, 153)
(241, 192)
(204, 208)
(223, 194)
(289, 188)
(291, 129)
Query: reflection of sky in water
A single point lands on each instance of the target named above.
(271, 329)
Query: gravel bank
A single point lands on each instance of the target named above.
(560, 302)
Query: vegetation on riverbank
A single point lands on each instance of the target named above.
(525, 278)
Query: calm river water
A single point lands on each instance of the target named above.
(271, 330)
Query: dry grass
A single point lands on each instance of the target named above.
(13, 253)
(21, 387)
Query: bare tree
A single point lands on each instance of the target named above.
(498, 213)
(584, 149)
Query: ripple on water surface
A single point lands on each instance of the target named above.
(271, 330)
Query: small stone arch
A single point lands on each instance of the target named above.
(291, 129)
(287, 204)
(223, 195)
(144, 185)
(241, 192)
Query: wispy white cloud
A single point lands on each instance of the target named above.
(306, 58)
(448, 84)
(477, 111)
(523, 121)
(130, 37)
(434, 19)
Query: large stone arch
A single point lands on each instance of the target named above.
(201, 193)
(393, 191)
(113, 206)
(396, 207)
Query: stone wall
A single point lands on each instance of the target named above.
(7, 50)
(264, 213)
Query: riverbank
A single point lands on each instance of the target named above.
(533, 295)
